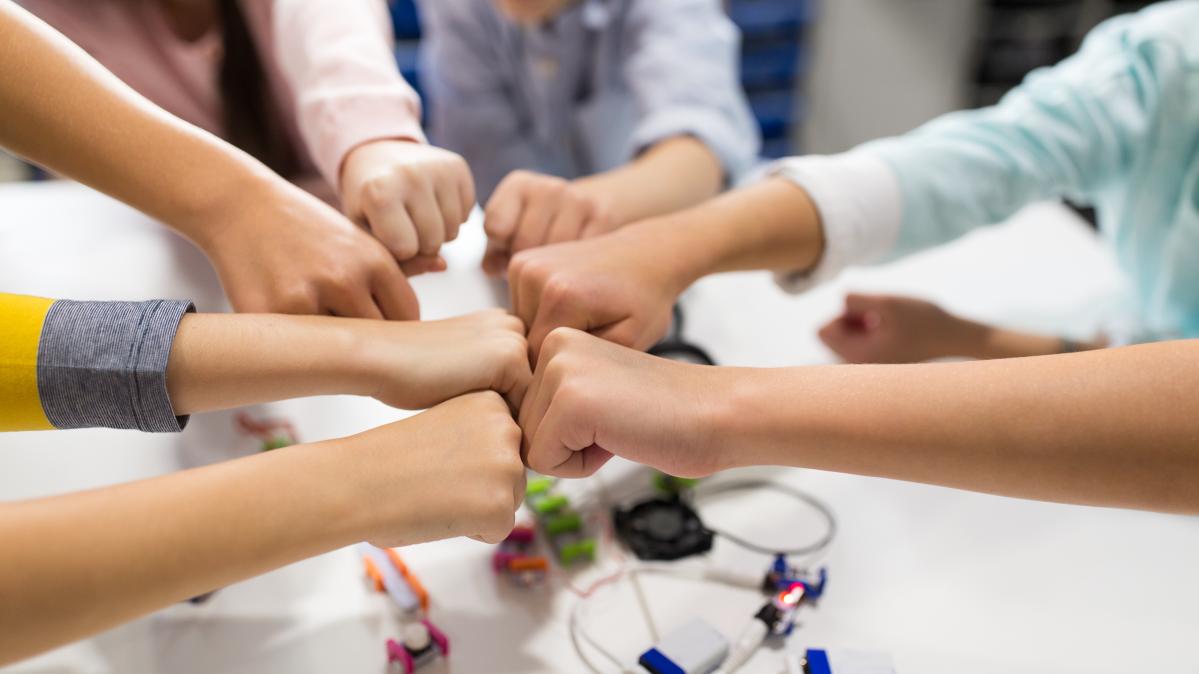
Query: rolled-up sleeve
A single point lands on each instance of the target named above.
(67, 364)
(338, 58)
(1070, 130)
(858, 199)
(683, 69)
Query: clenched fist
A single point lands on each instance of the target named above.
(529, 210)
(413, 197)
(454, 470)
(591, 399)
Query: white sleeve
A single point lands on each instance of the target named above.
(858, 198)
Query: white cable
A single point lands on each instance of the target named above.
(751, 638)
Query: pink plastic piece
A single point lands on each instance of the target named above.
(439, 638)
(397, 653)
(521, 535)
(500, 560)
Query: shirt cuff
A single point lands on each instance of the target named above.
(860, 204)
(735, 148)
(339, 121)
(104, 364)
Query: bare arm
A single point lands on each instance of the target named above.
(674, 174)
(1113, 427)
(77, 564)
(219, 361)
(623, 284)
(275, 247)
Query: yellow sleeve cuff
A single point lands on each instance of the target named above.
(21, 320)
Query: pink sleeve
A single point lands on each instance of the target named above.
(337, 55)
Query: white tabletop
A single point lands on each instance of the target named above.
(943, 581)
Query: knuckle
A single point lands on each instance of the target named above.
(557, 290)
(300, 299)
(377, 193)
(559, 339)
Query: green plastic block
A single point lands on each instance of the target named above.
(276, 443)
(563, 524)
(581, 550)
(538, 485)
(550, 504)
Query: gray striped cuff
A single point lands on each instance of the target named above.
(105, 364)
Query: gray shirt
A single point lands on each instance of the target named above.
(587, 91)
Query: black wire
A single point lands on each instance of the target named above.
(675, 347)
(743, 485)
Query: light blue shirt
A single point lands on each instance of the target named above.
(586, 92)
(1115, 126)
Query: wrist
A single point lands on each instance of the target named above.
(728, 422)
(335, 476)
(682, 253)
(207, 216)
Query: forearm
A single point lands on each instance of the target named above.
(674, 174)
(220, 361)
(770, 225)
(1085, 428)
(80, 563)
(66, 112)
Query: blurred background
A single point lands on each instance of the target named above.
(825, 75)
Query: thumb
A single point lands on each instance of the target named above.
(495, 259)
(500, 217)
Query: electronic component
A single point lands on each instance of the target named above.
(675, 347)
(694, 648)
(662, 529)
(818, 661)
(390, 574)
(514, 557)
(421, 644)
(562, 525)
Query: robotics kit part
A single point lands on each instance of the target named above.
(662, 529)
(422, 643)
(694, 648)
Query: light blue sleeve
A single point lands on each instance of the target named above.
(1071, 130)
(472, 110)
(682, 66)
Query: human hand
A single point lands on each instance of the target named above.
(454, 470)
(892, 329)
(528, 210)
(413, 365)
(281, 250)
(620, 287)
(412, 196)
(592, 399)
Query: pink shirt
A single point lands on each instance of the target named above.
(329, 63)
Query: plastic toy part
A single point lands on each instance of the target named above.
(422, 643)
(817, 661)
(578, 551)
(391, 575)
(515, 557)
(564, 528)
(695, 648)
(790, 588)
(274, 433)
